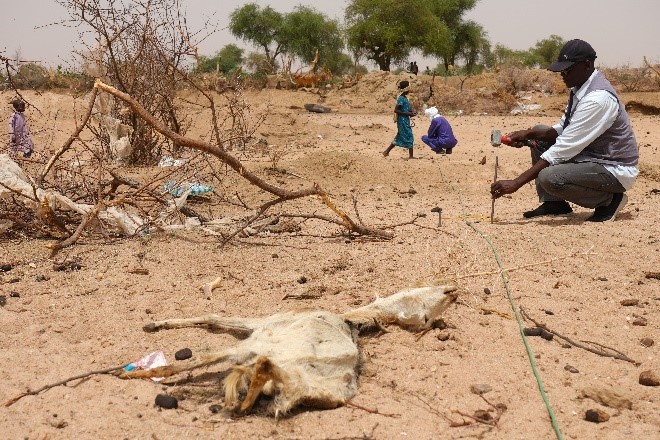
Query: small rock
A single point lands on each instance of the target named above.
(443, 336)
(3, 300)
(571, 369)
(649, 379)
(14, 294)
(183, 354)
(40, 278)
(302, 280)
(483, 415)
(533, 331)
(640, 321)
(480, 388)
(487, 291)
(596, 416)
(167, 402)
(607, 397)
(549, 312)
(629, 302)
(547, 335)
(646, 342)
(6, 267)
(215, 408)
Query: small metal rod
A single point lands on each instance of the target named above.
(492, 203)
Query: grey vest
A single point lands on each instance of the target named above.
(617, 145)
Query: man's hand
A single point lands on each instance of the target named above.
(501, 187)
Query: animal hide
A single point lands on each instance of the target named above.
(303, 357)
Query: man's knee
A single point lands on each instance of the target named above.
(550, 180)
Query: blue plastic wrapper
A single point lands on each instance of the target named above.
(177, 190)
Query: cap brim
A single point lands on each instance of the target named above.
(558, 66)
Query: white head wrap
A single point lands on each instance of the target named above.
(431, 112)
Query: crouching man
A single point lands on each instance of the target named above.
(590, 157)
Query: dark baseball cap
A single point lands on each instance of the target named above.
(573, 52)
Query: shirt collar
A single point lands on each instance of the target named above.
(579, 93)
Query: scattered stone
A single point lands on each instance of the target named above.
(14, 294)
(487, 291)
(654, 275)
(607, 397)
(649, 379)
(14, 280)
(40, 278)
(443, 336)
(316, 108)
(167, 402)
(215, 408)
(566, 345)
(183, 354)
(571, 369)
(601, 279)
(640, 321)
(6, 267)
(646, 342)
(546, 334)
(533, 331)
(629, 302)
(483, 415)
(302, 280)
(480, 388)
(596, 416)
(3, 300)
(549, 312)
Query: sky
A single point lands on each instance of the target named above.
(622, 33)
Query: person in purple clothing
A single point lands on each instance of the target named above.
(440, 136)
(19, 131)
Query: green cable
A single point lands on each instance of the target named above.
(530, 355)
(503, 275)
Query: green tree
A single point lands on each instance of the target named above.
(547, 50)
(467, 39)
(227, 59)
(386, 31)
(306, 30)
(261, 27)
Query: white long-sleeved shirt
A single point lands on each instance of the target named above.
(593, 114)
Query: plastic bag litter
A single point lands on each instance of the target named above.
(193, 188)
(147, 362)
(169, 161)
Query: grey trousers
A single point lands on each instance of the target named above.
(586, 184)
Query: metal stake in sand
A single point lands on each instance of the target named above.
(492, 203)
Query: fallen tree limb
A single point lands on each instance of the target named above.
(18, 397)
(281, 193)
(616, 355)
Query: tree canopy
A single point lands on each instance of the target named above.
(298, 34)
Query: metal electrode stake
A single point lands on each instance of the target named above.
(492, 203)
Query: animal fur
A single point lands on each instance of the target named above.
(303, 357)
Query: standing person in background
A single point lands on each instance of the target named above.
(19, 131)
(440, 136)
(413, 68)
(403, 110)
(590, 156)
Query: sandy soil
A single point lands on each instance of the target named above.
(564, 272)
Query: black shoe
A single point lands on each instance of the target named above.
(607, 213)
(448, 150)
(549, 208)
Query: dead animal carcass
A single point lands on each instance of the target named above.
(304, 357)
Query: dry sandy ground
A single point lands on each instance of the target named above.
(569, 274)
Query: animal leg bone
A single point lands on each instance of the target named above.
(170, 370)
(238, 326)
